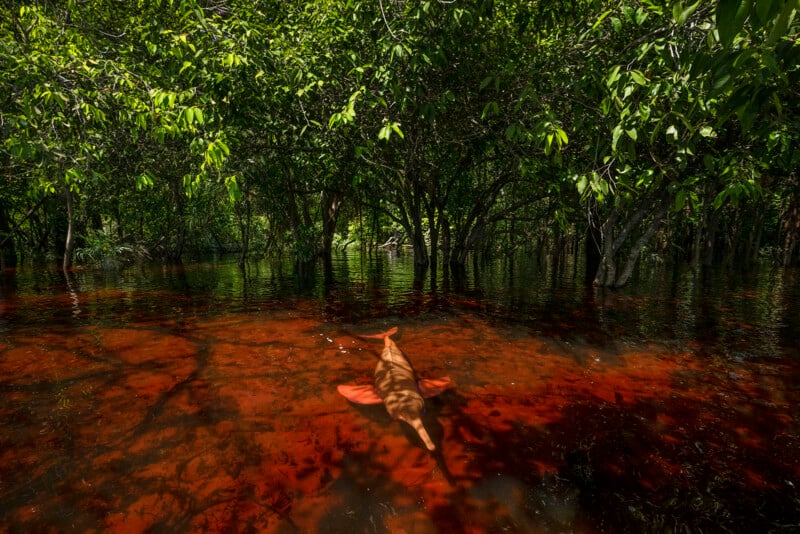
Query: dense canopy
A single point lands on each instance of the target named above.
(149, 129)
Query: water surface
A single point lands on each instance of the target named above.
(203, 398)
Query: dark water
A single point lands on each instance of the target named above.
(204, 398)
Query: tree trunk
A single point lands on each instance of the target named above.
(417, 232)
(755, 242)
(791, 228)
(445, 229)
(607, 270)
(592, 251)
(69, 244)
(433, 228)
(611, 244)
(330, 203)
(8, 252)
(175, 252)
(244, 220)
(710, 239)
(646, 236)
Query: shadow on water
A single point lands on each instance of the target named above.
(203, 398)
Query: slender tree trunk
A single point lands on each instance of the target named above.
(791, 228)
(612, 244)
(417, 233)
(331, 202)
(8, 252)
(433, 262)
(646, 236)
(445, 238)
(755, 242)
(244, 220)
(179, 224)
(592, 251)
(710, 240)
(607, 270)
(69, 244)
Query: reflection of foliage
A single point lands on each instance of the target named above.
(100, 247)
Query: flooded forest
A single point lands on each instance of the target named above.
(399, 266)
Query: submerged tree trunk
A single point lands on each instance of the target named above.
(612, 244)
(330, 203)
(710, 241)
(245, 222)
(592, 251)
(791, 227)
(647, 235)
(175, 251)
(409, 201)
(69, 244)
(8, 252)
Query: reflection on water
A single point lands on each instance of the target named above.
(204, 398)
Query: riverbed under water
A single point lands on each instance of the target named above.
(203, 398)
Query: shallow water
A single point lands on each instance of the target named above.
(204, 399)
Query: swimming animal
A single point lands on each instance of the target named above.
(397, 388)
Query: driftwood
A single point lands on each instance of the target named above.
(392, 242)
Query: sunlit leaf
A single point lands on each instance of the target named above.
(615, 135)
(681, 12)
(396, 129)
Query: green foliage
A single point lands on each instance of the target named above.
(100, 247)
(474, 120)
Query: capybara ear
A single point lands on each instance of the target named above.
(430, 387)
(360, 394)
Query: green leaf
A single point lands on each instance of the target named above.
(680, 199)
(615, 135)
(638, 77)
(73, 177)
(396, 129)
(600, 19)
(730, 17)
(782, 24)
(681, 12)
(765, 10)
(672, 133)
(707, 131)
(144, 180)
(234, 192)
(562, 137)
(721, 197)
(512, 132)
(581, 184)
(613, 76)
(490, 109)
(748, 113)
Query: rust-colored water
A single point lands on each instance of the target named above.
(180, 409)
